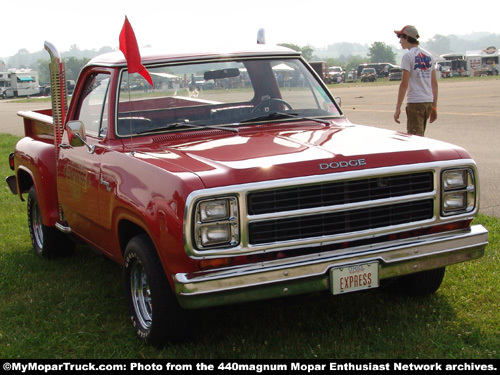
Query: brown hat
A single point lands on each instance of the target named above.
(408, 30)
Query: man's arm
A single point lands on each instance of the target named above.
(434, 84)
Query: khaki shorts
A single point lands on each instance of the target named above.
(417, 115)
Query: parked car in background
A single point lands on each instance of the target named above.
(352, 76)
(395, 74)
(382, 69)
(336, 74)
(368, 75)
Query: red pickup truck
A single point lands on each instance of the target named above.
(235, 178)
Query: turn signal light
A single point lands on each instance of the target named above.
(11, 161)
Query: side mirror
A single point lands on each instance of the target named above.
(338, 101)
(76, 135)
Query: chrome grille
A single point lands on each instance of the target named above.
(337, 194)
(302, 227)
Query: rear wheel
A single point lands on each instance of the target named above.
(48, 242)
(154, 311)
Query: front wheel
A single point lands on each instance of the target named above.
(421, 283)
(48, 242)
(154, 311)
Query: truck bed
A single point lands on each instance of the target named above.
(38, 124)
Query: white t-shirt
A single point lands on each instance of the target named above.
(420, 64)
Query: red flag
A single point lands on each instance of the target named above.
(129, 47)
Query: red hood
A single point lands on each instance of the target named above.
(278, 151)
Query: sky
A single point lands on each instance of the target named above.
(165, 24)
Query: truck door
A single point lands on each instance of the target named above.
(79, 168)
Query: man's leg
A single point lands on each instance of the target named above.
(417, 115)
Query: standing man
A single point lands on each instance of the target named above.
(419, 81)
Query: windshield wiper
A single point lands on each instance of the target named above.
(277, 115)
(188, 124)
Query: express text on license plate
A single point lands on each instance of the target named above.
(354, 277)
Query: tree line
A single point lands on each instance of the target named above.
(377, 52)
(349, 55)
(75, 59)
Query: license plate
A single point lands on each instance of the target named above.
(354, 277)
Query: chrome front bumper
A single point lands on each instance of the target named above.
(306, 274)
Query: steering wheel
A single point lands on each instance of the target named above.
(259, 107)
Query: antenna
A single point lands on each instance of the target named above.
(261, 36)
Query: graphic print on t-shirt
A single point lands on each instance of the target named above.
(423, 64)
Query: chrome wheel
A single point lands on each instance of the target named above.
(36, 223)
(47, 241)
(141, 295)
(147, 289)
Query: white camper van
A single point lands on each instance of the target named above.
(19, 82)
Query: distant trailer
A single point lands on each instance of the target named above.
(22, 82)
(453, 65)
(483, 62)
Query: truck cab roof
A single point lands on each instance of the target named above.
(151, 55)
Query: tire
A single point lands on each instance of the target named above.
(422, 283)
(154, 310)
(48, 242)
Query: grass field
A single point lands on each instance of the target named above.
(74, 308)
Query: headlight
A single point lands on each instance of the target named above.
(214, 210)
(458, 191)
(455, 179)
(216, 223)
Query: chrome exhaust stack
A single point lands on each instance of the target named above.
(58, 93)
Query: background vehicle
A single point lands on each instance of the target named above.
(19, 82)
(395, 74)
(352, 76)
(321, 68)
(482, 62)
(336, 74)
(382, 69)
(368, 75)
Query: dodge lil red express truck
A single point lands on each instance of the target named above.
(236, 177)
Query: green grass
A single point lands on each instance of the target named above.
(74, 308)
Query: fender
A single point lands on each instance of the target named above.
(36, 160)
(160, 216)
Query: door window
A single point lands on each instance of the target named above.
(94, 106)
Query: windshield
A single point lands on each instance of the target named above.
(219, 93)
